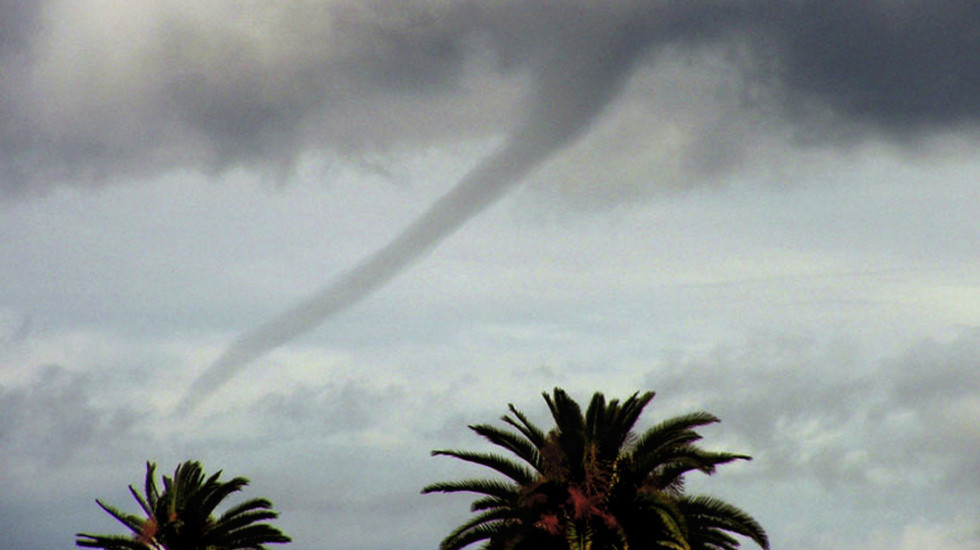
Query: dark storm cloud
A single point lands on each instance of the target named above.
(112, 96)
(901, 65)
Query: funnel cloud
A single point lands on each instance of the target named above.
(565, 100)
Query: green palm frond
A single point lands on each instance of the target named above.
(113, 542)
(189, 476)
(595, 415)
(492, 488)
(566, 413)
(654, 519)
(505, 466)
(673, 442)
(492, 519)
(689, 458)
(252, 536)
(239, 521)
(569, 432)
(143, 504)
(711, 514)
(533, 434)
(713, 539)
(247, 506)
(487, 532)
(674, 431)
(521, 447)
(487, 503)
(215, 493)
(133, 523)
(151, 492)
(613, 421)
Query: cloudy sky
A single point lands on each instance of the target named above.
(307, 242)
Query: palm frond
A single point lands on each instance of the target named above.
(132, 522)
(534, 434)
(711, 513)
(627, 415)
(487, 503)
(487, 531)
(673, 431)
(247, 506)
(569, 428)
(595, 420)
(617, 425)
(487, 487)
(520, 446)
(110, 542)
(249, 536)
(658, 509)
(487, 518)
(254, 536)
(150, 490)
(566, 412)
(214, 493)
(143, 504)
(713, 539)
(691, 458)
(505, 466)
(222, 529)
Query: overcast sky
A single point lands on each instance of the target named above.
(763, 209)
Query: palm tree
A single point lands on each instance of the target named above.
(590, 483)
(181, 516)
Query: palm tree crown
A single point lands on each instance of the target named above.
(591, 483)
(181, 516)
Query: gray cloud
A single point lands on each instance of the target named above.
(900, 66)
(50, 420)
(819, 410)
(327, 410)
(19, 22)
(776, 393)
(54, 439)
(98, 97)
(934, 392)
(121, 95)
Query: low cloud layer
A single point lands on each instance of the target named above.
(840, 444)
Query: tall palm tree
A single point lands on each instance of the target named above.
(181, 516)
(590, 483)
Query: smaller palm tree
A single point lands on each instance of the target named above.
(181, 516)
